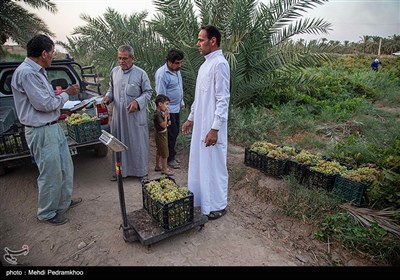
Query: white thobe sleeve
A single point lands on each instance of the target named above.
(221, 95)
(191, 114)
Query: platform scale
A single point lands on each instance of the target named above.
(139, 225)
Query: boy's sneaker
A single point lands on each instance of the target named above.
(167, 172)
(174, 164)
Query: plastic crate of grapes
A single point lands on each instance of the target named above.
(13, 143)
(296, 169)
(272, 166)
(315, 179)
(169, 215)
(351, 191)
(85, 131)
(252, 159)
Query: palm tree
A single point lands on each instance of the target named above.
(391, 44)
(366, 42)
(97, 42)
(345, 46)
(374, 44)
(256, 41)
(18, 24)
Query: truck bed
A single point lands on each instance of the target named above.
(13, 147)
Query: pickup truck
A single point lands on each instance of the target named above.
(14, 150)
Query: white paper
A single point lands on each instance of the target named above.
(70, 104)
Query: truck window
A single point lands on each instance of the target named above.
(59, 78)
(5, 83)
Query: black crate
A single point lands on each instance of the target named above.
(84, 132)
(7, 118)
(351, 191)
(169, 215)
(253, 159)
(13, 143)
(296, 169)
(315, 179)
(272, 166)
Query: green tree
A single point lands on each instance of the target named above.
(366, 43)
(18, 24)
(256, 41)
(98, 40)
(391, 44)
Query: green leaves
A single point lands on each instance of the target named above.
(19, 24)
(255, 41)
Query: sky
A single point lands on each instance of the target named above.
(350, 19)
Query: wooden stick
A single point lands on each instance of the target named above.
(80, 250)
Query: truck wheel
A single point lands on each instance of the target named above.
(101, 150)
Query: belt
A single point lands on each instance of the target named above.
(49, 123)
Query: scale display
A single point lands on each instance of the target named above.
(113, 143)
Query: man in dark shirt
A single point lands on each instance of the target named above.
(375, 65)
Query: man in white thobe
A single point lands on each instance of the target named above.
(208, 173)
(130, 91)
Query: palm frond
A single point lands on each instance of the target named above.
(367, 217)
(255, 41)
(19, 24)
(37, 4)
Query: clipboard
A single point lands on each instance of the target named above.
(83, 104)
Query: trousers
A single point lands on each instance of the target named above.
(173, 132)
(49, 147)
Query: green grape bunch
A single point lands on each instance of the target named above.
(329, 167)
(80, 118)
(272, 150)
(365, 174)
(165, 190)
(263, 147)
(307, 158)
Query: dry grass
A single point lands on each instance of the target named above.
(366, 216)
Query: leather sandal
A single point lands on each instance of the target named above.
(216, 214)
(75, 202)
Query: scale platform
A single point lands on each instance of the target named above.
(148, 231)
(139, 225)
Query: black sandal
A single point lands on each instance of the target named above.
(216, 214)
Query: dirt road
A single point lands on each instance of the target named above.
(250, 234)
